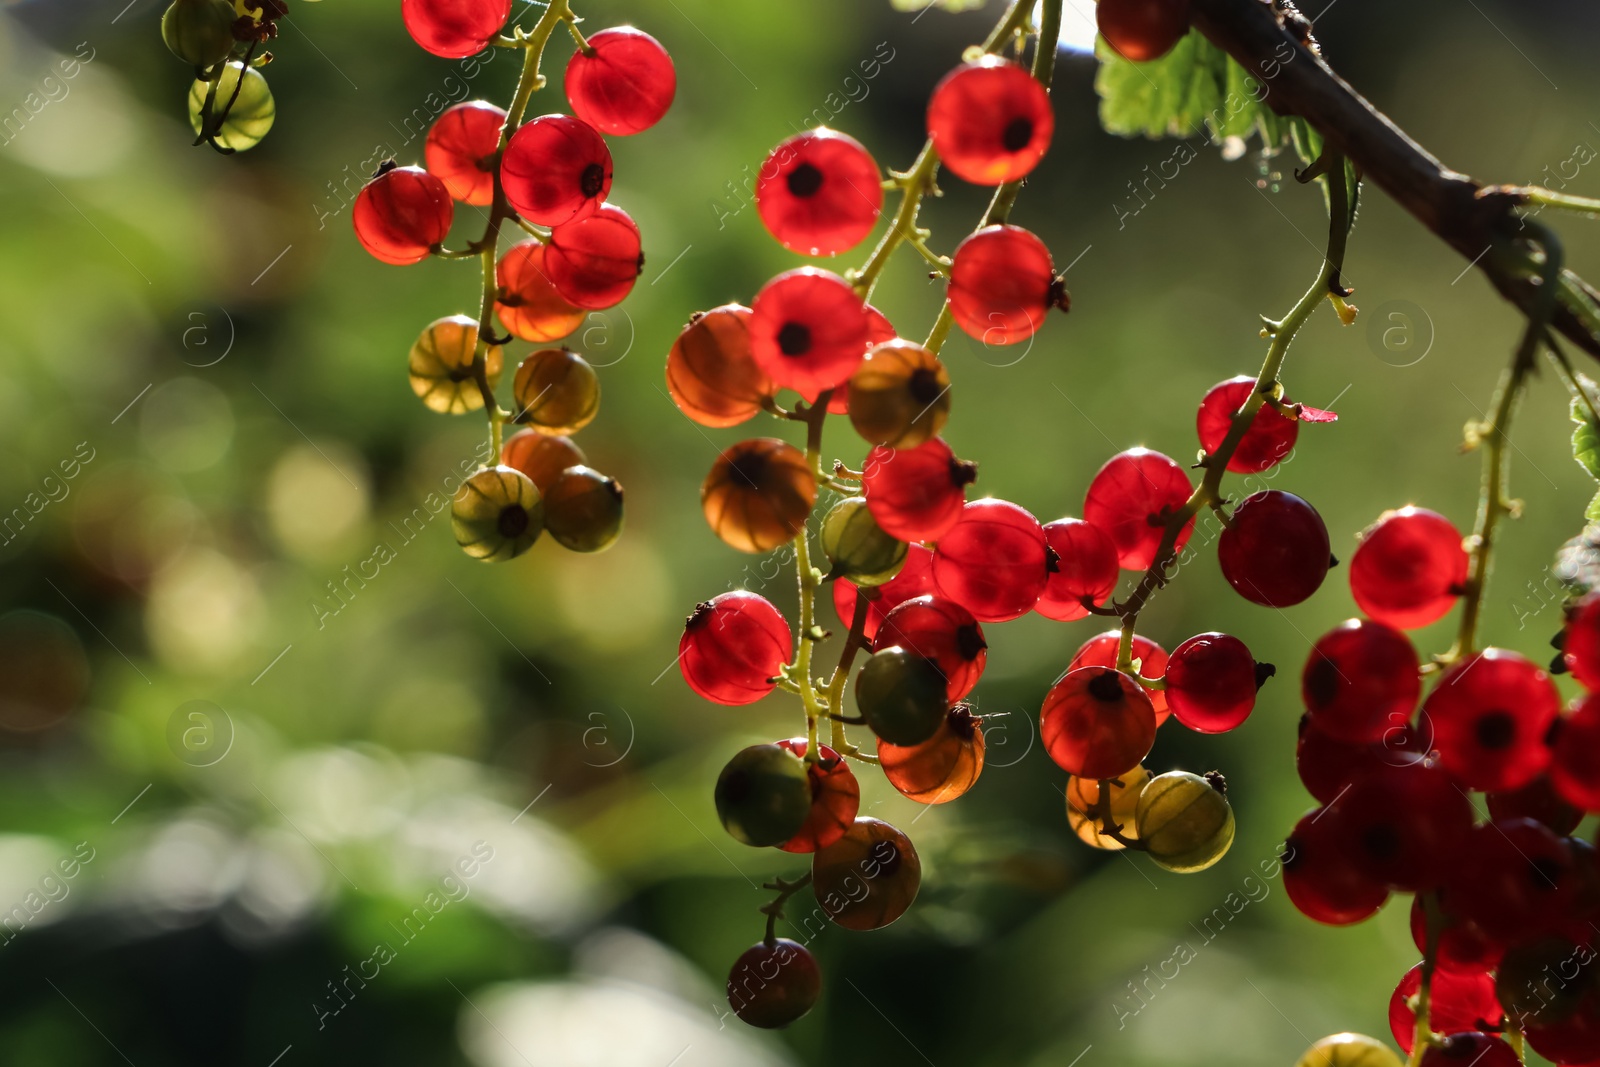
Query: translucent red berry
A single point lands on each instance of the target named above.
(994, 561)
(402, 215)
(990, 121)
(1328, 765)
(594, 261)
(1265, 444)
(528, 305)
(1515, 880)
(941, 768)
(1211, 683)
(1142, 30)
(1097, 723)
(835, 798)
(1539, 800)
(1575, 759)
(808, 330)
(880, 331)
(1571, 1041)
(1489, 715)
(1409, 568)
(556, 169)
(1581, 645)
(540, 456)
(1361, 681)
(1320, 882)
(461, 147)
(819, 193)
(917, 494)
(1462, 946)
(624, 82)
(1457, 1001)
(1101, 651)
(1405, 826)
(1274, 552)
(454, 29)
(868, 878)
(733, 646)
(1002, 285)
(940, 630)
(772, 985)
(1470, 1049)
(710, 373)
(1086, 569)
(914, 580)
(1130, 499)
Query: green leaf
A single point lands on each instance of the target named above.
(1592, 512)
(1586, 442)
(1193, 89)
(947, 5)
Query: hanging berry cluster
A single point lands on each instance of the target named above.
(230, 105)
(550, 177)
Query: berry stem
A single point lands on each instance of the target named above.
(773, 909)
(1434, 922)
(1102, 814)
(854, 641)
(1542, 197)
(810, 580)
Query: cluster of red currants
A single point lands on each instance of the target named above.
(1504, 909)
(230, 105)
(550, 176)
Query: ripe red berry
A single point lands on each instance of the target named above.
(528, 305)
(623, 83)
(868, 878)
(1457, 1001)
(990, 121)
(1275, 550)
(819, 193)
(1101, 651)
(460, 150)
(1211, 683)
(835, 798)
(1462, 946)
(1361, 682)
(1002, 285)
(940, 630)
(1514, 880)
(733, 646)
(1142, 30)
(1097, 723)
(772, 985)
(710, 373)
(1269, 439)
(1409, 568)
(1575, 761)
(1470, 1049)
(808, 330)
(1573, 1040)
(1405, 826)
(1540, 801)
(1489, 715)
(880, 331)
(454, 29)
(916, 494)
(994, 561)
(914, 580)
(594, 261)
(1328, 765)
(1320, 882)
(1130, 499)
(402, 215)
(556, 169)
(941, 768)
(1581, 646)
(1086, 569)
(758, 494)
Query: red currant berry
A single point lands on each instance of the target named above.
(1328, 765)
(880, 331)
(835, 798)
(1489, 715)
(917, 494)
(1575, 761)
(914, 580)
(1269, 439)
(1405, 826)
(556, 169)
(868, 878)
(461, 150)
(623, 83)
(1574, 1040)
(1361, 682)
(994, 561)
(1142, 30)
(454, 29)
(1540, 801)
(1457, 1001)
(808, 330)
(1320, 882)
(733, 647)
(594, 261)
(1212, 681)
(819, 193)
(1086, 569)
(1002, 285)
(1581, 646)
(710, 373)
(990, 121)
(1101, 651)
(402, 215)
(1275, 549)
(1515, 880)
(528, 305)
(943, 767)
(1409, 568)
(759, 494)
(900, 395)
(542, 457)
(1130, 499)
(1097, 723)
(940, 630)
(772, 985)
(1470, 1049)
(1462, 946)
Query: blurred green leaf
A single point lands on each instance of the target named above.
(947, 5)
(1586, 444)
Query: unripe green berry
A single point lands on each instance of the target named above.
(1185, 821)
(763, 795)
(199, 32)
(1349, 1050)
(251, 115)
(497, 514)
(857, 548)
(903, 696)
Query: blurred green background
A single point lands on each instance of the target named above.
(202, 344)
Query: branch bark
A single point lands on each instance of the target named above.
(1479, 221)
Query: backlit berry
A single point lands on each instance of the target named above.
(990, 121)
(1404, 826)
(1470, 1049)
(900, 395)
(497, 514)
(857, 549)
(1320, 883)
(1462, 946)
(710, 373)
(1083, 808)
(770, 986)
(541, 457)
(1489, 715)
(249, 119)
(941, 768)
(1097, 723)
(461, 150)
(1457, 1001)
(1349, 1050)
(917, 494)
(1274, 552)
(1540, 801)
(594, 261)
(1211, 683)
(994, 561)
(758, 494)
(835, 798)
(454, 29)
(1086, 569)
(1361, 681)
(819, 193)
(440, 366)
(914, 580)
(901, 695)
(1102, 649)
(1327, 764)
(1131, 498)
(1581, 646)
(1514, 880)
(199, 32)
(583, 510)
(528, 304)
(808, 330)
(1185, 821)
(1409, 568)
(1265, 444)
(1002, 285)
(556, 391)
(733, 647)
(763, 796)
(1142, 30)
(556, 169)
(402, 215)
(1573, 1040)
(868, 878)
(940, 630)
(1575, 759)
(623, 83)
